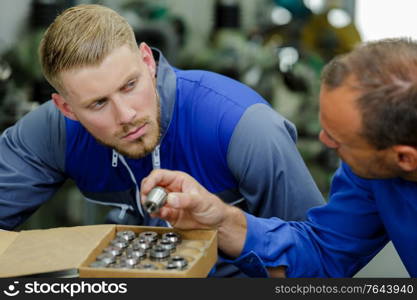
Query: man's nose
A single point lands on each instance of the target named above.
(124, 112)
(327, 141)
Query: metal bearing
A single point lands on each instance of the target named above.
(147, 267)
(129, 261)
(106, 257)
(121, 265)
(113, 250)
(167, 244)
(98, 264)
(138, 254)
(177, 262)
(149, 236)
(119, 242)
(140, 244)
(159, 253)
(127, 235)
(172, 237)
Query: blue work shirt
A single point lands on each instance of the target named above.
(341, 237)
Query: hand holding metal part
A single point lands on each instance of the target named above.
(190, 206)
(156, 198)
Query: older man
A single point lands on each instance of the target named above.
(368, 112)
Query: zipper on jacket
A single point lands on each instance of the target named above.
(156, 159)
(156, 164)
(123, 207)
(123, 211)
(114, 158)
(132, 176)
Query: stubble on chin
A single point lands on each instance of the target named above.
(142, 147)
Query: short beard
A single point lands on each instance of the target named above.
(144, 149)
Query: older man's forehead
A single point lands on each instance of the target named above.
(339, 114)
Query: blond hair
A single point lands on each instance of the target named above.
(81, 36)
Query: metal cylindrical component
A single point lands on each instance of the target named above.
(177, 262)
(127, 235)
(172, 237)
(159, 253)
(121, 265)
(114, 250)
(106, 257)
(140, 244)
(167, 244)
(98, 264)
(138, 254)
(149, 236)
(147, 267)
(156, 198)
(130, 261)
(119, 242)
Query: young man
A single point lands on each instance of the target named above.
(121, 110)
(368, 111)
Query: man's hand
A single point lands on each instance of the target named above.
(191, 206)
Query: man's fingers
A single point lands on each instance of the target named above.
(169, 214)
(166, 178)
(174, 201)
(182, 200)
(155, 178)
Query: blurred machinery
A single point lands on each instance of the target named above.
(23, 87)
(305, 38)
(281, 57)
(23, 57)
(154, 24)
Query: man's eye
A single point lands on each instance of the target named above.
(98, 104)
(130, 85)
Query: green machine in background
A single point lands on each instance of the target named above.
(281, 57)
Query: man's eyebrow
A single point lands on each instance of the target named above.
(103, 98)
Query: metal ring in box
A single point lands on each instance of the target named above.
(127, 235)
(167, 244)
(159, 253)
(147, 267)
(135, 253)
(118, 242)
(121, 265)
(98, 264)
(140, 244)
(149, 236)
(129, 261)
(113, 250)
(172, 237)
(108, 258)
(177, 262)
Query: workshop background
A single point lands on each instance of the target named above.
(278, 47)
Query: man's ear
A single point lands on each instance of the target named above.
(63, 106)
(406, 157)
(146, 54)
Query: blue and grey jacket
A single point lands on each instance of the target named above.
(216, 129)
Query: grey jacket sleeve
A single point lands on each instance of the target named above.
(32, 161)
(271, 174)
